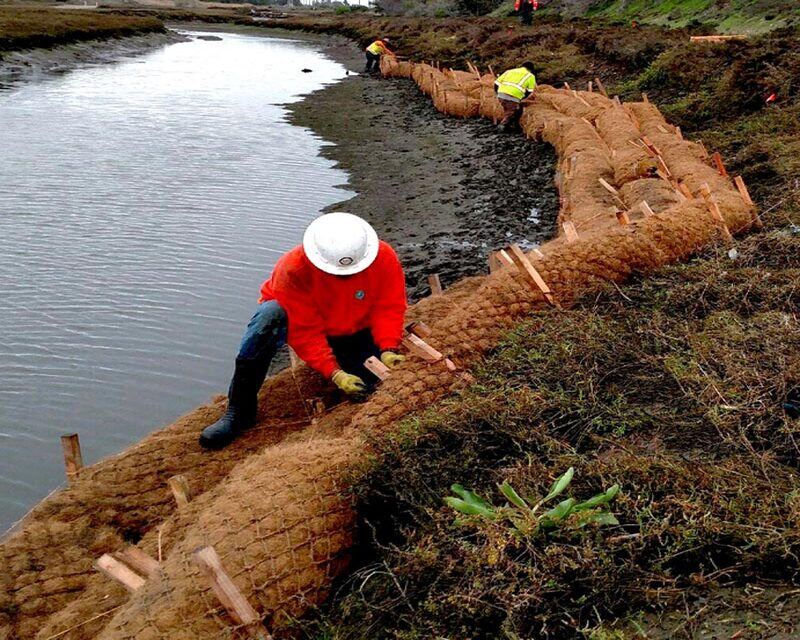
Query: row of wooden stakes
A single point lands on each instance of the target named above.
(132, 567)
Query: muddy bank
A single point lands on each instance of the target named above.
(443, 192)
(34, 64)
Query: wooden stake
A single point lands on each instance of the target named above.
(717, 159)
(435, 284)
(570, 232)
(580, 98)
(426, 352)
(180, 490)
(504, 258)
(717, 38)
(600, 87)
(703, 149)
(138, 560)
(73, 458)
(590, 87)
(607, 186)
(740, 185)
(645, 99)
(421, 349)
(613, 192)
(494, 262)
(685, 190)
(646, 209)
(663, 166)
(227, 592)
(623, 218)
(380, 370)
(713, 208)
(419, 329)
(616, 101)
(115, 570)
(567, 87)
(526, 268)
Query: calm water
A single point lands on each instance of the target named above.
(141, 205)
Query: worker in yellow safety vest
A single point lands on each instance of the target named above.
(512, 89)
(375, 51)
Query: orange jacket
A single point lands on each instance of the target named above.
(518, 4)
(319, 304)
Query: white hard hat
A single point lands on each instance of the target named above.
(340, 243)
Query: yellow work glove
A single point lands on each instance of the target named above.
(391, 359)
(348, 383)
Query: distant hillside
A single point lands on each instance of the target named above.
(726, 15)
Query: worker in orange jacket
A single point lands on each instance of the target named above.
(337, 299)
(374, 52)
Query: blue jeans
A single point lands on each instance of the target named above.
(266, 333)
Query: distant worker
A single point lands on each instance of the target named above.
(512, 88)
(337, 299)
(525, 9)
(375, 51)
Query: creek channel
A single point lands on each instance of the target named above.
(142, 203)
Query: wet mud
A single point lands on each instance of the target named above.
(29, 65)
(443, 192)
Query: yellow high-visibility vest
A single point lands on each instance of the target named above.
(516, 82)
(377, 48)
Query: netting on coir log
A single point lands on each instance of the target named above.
(266, 540)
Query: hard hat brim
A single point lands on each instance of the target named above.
(310, 249)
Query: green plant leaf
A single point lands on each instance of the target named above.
(469, 502)
(470, 496)
(600, 499)
(560, 484)
(469, 509)
(560, 511)
(603, 518)
(513, 497)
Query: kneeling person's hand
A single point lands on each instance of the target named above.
(348, 383)
(391, 359)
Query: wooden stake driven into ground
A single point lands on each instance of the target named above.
(570, 232)
(740, 185)
(717, 38)
(717, 158)
(646, 209)
(528, 270)
(115, 570)
(419, 329)
(180, 490)
(614, 193)
(138, 560)
(227, 592)
(73, 458)
(380, 370)
(435, 284)
(713, 208)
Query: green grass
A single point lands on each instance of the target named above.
(671, 387)
(739, 16)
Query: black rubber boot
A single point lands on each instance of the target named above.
(242, 405)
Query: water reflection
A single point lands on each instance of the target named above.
(141, 205)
